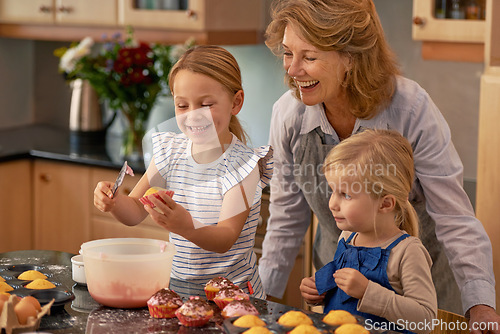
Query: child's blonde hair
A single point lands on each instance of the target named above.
(382, 161)
(218, 64)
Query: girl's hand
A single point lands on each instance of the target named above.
(103, 197)
(309, 292)
(170, 215)
(351, 282)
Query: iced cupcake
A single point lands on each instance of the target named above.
(228, 294)
(164, 303)
(237, 308)
(194, 313)
(214, 285)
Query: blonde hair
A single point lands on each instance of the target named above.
(382, 160)
(218, 64)
(352, 28)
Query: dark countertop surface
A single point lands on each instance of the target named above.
(46, 142)
(84, 315)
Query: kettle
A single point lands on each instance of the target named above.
(85, 110)
(87, 128)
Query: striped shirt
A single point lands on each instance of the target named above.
(200, 189)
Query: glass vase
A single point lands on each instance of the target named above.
(133, 133)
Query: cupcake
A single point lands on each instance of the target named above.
(194, 313)
(31, 275)
(4, 287)
(339, 317)
(294, 318)
(164, 303)
(248, 321)
(214, 285)
(351, 329)
(145, 199)
(228, 294)
(258, 330)
(305, 329)
(237, 308)
(40, 284)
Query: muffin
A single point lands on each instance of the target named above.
(351, 329)
(305, 329)
(214, 285)
(31, 275)
(194, 313)
(145, 198)
(257, 330)
(4, 287)
(237, 308)
(164, 303)
(294, 318)
(40, 284)
(249, 320)
(339, 317)
(228, 294)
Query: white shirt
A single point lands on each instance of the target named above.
(200, 189)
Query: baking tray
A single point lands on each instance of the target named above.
(60, 293)
(271, 321)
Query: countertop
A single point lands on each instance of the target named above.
(47, 142)
(84, 315)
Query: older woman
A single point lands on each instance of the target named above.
(343, 78)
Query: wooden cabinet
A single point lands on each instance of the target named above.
(59, 12)
(222, 22)
(61, 206)
(15, 204)
(103, 225)
(447, 39)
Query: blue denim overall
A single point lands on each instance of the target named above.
(370, 261)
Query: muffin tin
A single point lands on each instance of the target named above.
(272, 324)
(60, 294)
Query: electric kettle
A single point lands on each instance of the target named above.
(85, 111)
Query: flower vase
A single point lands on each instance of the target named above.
(134, 131)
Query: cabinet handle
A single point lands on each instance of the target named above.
(418, 21)
(66, 10)
(45, 9)
(191, 14)
(45, 177)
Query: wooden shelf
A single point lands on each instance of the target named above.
(453, 51)
(76, 33)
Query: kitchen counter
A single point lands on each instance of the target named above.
(84, 315)
(43, 141)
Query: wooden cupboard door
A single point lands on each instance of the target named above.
(28, 11)
(426, 27)
(61, 206)
(88, 12)
(15, 206)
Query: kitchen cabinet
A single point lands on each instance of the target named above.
(15, 204)
(445, 38)
(59, 12)
(222, 22)
(61, 205)
(488, 158)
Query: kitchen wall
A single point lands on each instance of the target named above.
(31, 90)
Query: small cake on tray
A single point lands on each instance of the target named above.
(195, 312)
(339, 317)
(237, 308)
(249, 320)
(164, 303)
(294, 318)
(228, 294)
(351, 329)
(214, 285)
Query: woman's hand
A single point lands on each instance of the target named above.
(103, 196)
(483, 319)
(351, 282)
(309, 292)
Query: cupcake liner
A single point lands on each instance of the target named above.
(211, 294)
(162, 312)
(192, 322)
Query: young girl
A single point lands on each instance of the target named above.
(380, 270)
(216, 179)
